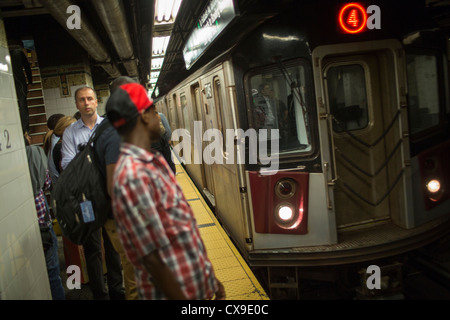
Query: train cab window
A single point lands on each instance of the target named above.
(348, 97)
(423, 91)
(280, 99)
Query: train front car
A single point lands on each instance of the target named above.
(328, 124)
(350, 103)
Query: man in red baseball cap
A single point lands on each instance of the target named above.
(156, 224)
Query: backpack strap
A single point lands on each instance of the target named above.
(97, 133)
(91, 143)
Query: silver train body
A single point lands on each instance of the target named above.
(362, 133)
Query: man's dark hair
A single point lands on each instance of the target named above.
(53, 120)
(118, 82)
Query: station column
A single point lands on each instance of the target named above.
(23, 273)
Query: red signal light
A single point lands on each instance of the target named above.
(352, 18)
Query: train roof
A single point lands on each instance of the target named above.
(316, 19)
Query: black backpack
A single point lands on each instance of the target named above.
(80, 200)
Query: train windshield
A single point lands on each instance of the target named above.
(280, 100)
(423, 87)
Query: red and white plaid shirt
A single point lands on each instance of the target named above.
(39, 201)
(152, 213)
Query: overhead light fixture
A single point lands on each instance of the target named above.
(157, 63)
(166, 10)
(160, 45)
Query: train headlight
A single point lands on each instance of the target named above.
(285, 215)
(285, 188)
(434, 189)
(433, 186)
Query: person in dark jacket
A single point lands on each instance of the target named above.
(40, 181)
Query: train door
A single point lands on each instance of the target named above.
(210, 122)
(227, 172)
(197, 170)
(361, 98)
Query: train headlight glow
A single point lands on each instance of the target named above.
(433, 186)
(285, 213)
(434, 189)
(286, 216)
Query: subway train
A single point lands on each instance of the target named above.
(321, 137)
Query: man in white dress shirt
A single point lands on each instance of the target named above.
(75, 135)
(80, 131)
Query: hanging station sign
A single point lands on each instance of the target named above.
(213, 20)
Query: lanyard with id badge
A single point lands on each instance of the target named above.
(80, 197)
(87, 211)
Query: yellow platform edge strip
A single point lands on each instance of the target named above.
(225, 236)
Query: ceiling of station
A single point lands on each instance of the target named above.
(143, 24)
(34, 18)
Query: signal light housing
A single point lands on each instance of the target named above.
(435, 176)
(285, 188)
(280, 202)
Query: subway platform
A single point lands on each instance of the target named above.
(231, 269)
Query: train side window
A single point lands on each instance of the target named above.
(348, 97)
(280, 98)
(197, 104)
(173, 112)
(423, 91)
(218, 102)
(185, 110)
